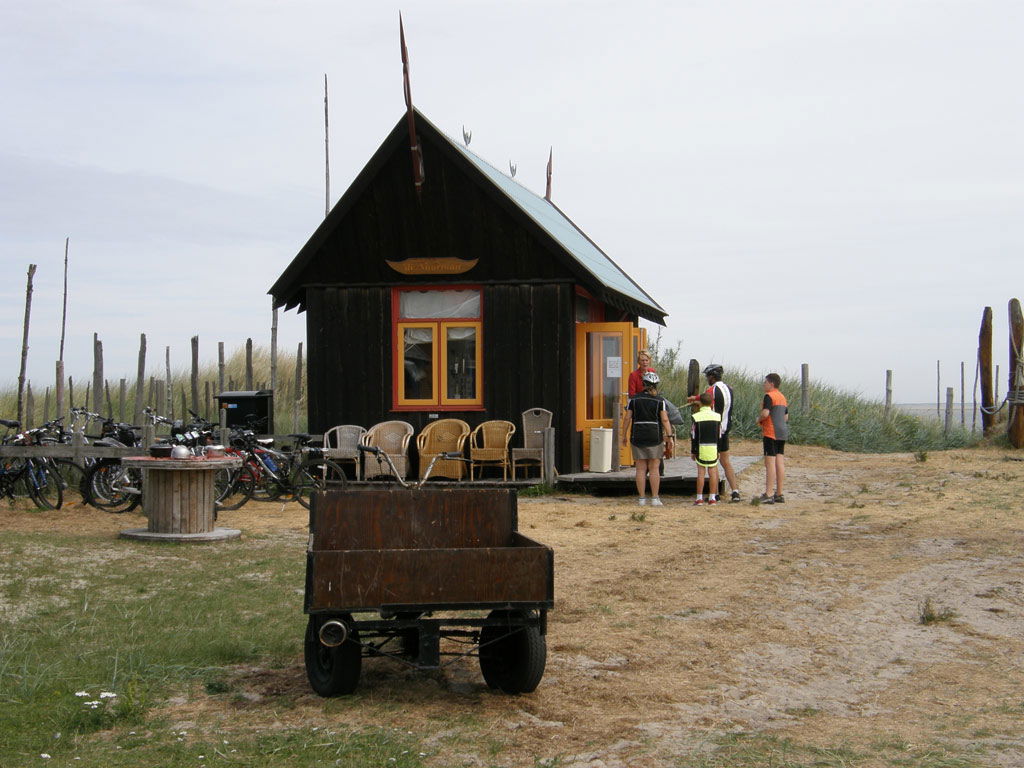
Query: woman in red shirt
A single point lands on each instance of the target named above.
(643, 365)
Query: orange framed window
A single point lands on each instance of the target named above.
(438, 348)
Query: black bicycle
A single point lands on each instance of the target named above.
(32, 477)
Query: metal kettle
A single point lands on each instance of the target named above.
(180, 452)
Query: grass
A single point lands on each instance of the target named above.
(930, 612)
(836, 418)
(130, 625)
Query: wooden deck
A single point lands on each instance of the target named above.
(680, 476)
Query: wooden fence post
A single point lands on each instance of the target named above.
(122, 397)
(24, 343)
(888, 394)
(58, 390)
(140, 381)
(46, 405)
(805, 386)
(30, 407)
(938, 389)
(195, 374)
(549, 456)
(298, 389)
(963, 397)
(949, 410)
(208, 403)
(225, 433)
(71, 392)
(1015, 385)
(985, 370)
(97, 374)
(248, 364)
(168, 391)
(110, 403)
(220, 367)
(273, 347)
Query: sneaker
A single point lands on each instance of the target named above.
(642, 501)
(656, 502)
(712, 501)
(735, 497)
(779, 499)
(764, 498)
(698, 503)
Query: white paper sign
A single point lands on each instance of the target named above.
(614, 365)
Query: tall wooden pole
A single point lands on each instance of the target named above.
(24, 343)
(59, 389)
(248, 364)
(1015, 421)
(327, 156)
(805, 386)
(97, 375)
(220, 367)
(195, 374)
(140, 382)
(985, 369)
(948, 424)
(938, 388)
(169, 390)
(888, 394)
(273, 349)
(963, 397)
(298, 388)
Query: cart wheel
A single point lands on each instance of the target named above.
(333, 671)
(512, 657)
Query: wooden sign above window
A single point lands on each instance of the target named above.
(433, 266)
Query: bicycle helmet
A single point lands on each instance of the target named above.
(650, 377)
(714, 370)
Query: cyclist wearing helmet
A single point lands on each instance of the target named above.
(646, 423)
(722, 405)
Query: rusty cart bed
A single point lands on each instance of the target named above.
(429, 563)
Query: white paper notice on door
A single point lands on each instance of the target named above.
(614, 366)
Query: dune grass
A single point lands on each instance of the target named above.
(836, 418)
(234, 378)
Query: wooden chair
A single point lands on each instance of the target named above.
(535, 420)
(393, 438)
(341, 444)
(443, 436)
(488, 445)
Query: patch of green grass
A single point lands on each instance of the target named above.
(929, 612)
(541, 489)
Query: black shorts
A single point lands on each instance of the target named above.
(723, 442)
(773, 447)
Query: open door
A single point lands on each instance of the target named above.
(604, 358)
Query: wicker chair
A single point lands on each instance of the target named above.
(393, 438)
(441, 437)
(488, 446)
(340, 444)
(535, 420)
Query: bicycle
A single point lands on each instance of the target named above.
(31, 476)
(277, 475)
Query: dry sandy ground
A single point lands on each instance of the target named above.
(800, 620)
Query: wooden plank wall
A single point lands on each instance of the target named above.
(528, 338)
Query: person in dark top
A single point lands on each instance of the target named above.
(646, 423)
(643, 365)
(774, 423)
(722, 405)
(704, 435)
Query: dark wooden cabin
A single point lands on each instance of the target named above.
(474, 299)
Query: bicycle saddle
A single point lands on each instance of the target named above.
(9, 424)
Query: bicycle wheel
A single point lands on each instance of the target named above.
(44, 485)
(113, 488)
(232, 488)
(72, 478)
(318, 475)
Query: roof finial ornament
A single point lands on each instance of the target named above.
(551, 157)
(512, 168)
(414, 144)
(467, 136)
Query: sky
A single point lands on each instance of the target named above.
(839, 184)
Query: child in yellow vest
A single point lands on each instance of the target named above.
(704, 448)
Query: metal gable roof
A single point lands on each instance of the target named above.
(561, 229)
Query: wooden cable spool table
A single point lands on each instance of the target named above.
(178, 498)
